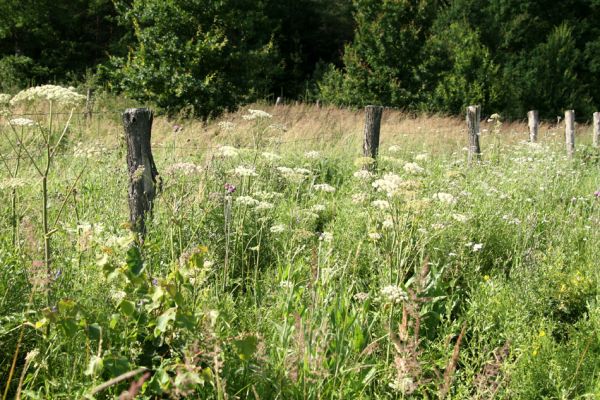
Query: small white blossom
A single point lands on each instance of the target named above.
(445, 198)
(271, 156)
(381, 204)
(314, 155)
(246, 201)
(413, 168)
(228, 151)
(318, 208)
(394, 149)
(226, 125)
(256, 114)
(476, 247)
(394, 294)
(286, 284)
(363, 174)
(388, 184)
(326, 237)
(359, 198)
(277, 228)
(22, 122)
(243, 171)
(324, 187)
(264, 205)
(374, 236)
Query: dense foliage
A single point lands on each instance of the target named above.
(274, 270)
(207, 56)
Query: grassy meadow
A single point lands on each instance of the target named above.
(280, 264)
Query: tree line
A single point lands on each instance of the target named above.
(207, 56)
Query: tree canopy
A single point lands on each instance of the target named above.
(207, 56)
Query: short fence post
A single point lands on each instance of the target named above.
(89, 104)
(534, 124)
(318, 103)
(372, 129)
(279, 101)
(140, 164)
(596, 140)
(473, 117)
(570, 132)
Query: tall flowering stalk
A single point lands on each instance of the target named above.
(54, 96)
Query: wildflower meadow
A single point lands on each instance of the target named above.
(279, 263)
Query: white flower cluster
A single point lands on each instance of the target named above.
(324, 187)
(22, 122)
(422, 157)
(394, 149)
(270, 156)
(89, 150)
(413, 168)
(279, 228)
(67, 97)
(381, 204)
(363, 175)
(394, 294)
(313, 155)
(256, 114)
(12, 183)
(264, 206)
(226, 125)
(445, 198)
(243, 171)
(294, 174)
(247, 201)
(227, 151)
(326, 237)
(184, 168)
(388, 184)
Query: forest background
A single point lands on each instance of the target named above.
(203, 57)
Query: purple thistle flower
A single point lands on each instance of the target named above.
(229, 188)
(597, 193)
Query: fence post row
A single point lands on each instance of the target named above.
(89, 104)
(533, 120)
(570, 132)
(372, 130)
(596, 129)
(140, 164)
(473, 116)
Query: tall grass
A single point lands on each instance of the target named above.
(301, 278)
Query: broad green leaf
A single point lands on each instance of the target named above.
(134, 261)
(162, 322)
(246, 347)
(127, 307)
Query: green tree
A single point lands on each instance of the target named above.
(381, 64)
(202, 55)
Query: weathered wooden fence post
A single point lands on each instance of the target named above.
(279, 101)
(372, 129)
(473, 117)
(534, 125)
(570, 132)
(140, 164)
(89, 104)
(596, 119)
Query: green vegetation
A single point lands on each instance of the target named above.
(205, 57)
(277, 266)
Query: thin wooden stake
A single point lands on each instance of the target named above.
(534, 124)
(570, 132)
(372, 130)
(473, 117)
(596, 129)
(140, 163)
(279, 101)
(89, 104)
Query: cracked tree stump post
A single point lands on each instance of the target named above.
(372, 130)
(596, 138)
(473, 117)
(534, 125)
(140, 165)
(570, 132)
